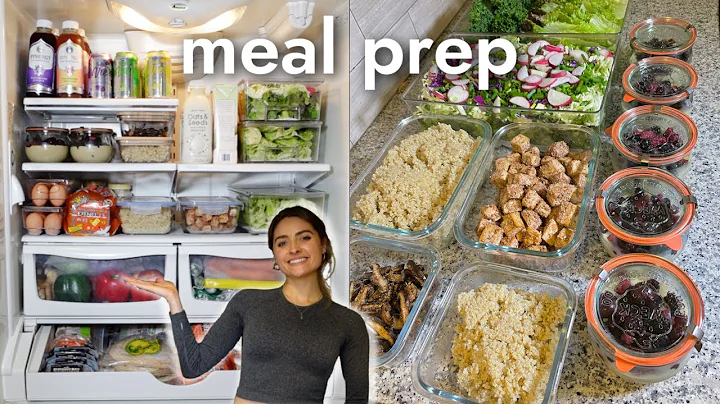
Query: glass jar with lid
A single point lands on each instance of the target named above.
(662, 37)
(46, 145)
(92, 145)
(121, 190)
(659, 80)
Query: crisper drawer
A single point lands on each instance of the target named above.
(209, 276)
(139, 386)
(79, 284)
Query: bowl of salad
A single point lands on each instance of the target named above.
(557, 78)
(280, 100)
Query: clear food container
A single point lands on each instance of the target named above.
(663, 37)
(146, 215)
(121, 190)
(649, 335)
(483, 192)
(364, 253)
(53, 192)
(261, 204)
(659, 80)
(423, 96)
(218, 279)
(439, 231)
(434, 373)
(280, 100)
(274, 142)
(645, 210)
(210, 215)
(145, 149)
(92, 145)
(46, 219)
(147, 124)
(46, 145)
(654, 136)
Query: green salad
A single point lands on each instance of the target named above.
(282, 102)
(261, 210)
(277, 143)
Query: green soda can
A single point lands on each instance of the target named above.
(126, 83)
(158, 75)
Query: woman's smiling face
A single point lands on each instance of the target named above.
(297, 248)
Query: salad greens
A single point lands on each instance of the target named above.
(260, 211)
(277, 143)
(282, 102)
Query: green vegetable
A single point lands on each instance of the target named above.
(480, 17)
(72, 288)
(508, 16)
(278, 143)
(281, 102)
(141, 346)
(261, 210)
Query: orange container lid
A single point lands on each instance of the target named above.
(674, 25)
(672, 63)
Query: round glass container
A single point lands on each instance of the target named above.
(645, 315)
(659, 80)
(46, 145)
(644, 210)
(121, 190)
(663, 37)
(92, 145)
(654, 136)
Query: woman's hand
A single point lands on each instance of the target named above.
(160, 287)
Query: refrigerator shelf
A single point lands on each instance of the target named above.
(176, 236)
(93, 109)
(98, 167)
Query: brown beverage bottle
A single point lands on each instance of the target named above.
(70, 79)
(40, 77)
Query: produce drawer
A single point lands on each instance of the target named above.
(208, 276)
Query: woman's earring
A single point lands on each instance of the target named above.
(323, 257)
(276, 266)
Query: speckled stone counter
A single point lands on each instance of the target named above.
(584, 378)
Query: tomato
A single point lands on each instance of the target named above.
(138, 295)
(109, 287)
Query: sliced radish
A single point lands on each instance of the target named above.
(540, 106)
(558, 99)
(559, 81)
(433, 71)
(528, 87)
(544, 68)
(438, 94)
(604, 52)
(523, 74)
(579, 56)
(496, 103)
(547, 82)
(452, 77)
(458, 94)
(541, 62)
(556, 59)
(558, 73)
(500, 76)
(535, 46)
(534, 79)
(553, 48)
(520, 101)
(578, 71)
(536, 59)
(572, 79)
(460, 82)
(551, 54)
(523, 59)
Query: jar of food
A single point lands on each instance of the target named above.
(46, 145)
(92, 145)
(645, 315)
(659, 80)
(644, 210)
(654, 136)
(122, 191)
(663, 37)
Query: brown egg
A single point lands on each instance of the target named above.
(58, 194)
(34, 223)
(53, 224)
(39, 194)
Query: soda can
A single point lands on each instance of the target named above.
(126, 83)
(158, 75)
(99, 76)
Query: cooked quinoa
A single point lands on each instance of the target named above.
(505, 343)
(416, 179)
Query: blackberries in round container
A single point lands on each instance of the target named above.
(643, 213)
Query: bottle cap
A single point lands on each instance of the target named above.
(44, 24)
(196, 84)
(69, 24)
(81, 32)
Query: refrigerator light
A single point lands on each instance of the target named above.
(131, 17)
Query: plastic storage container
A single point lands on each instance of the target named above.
(645, 210)
(50, 192)
(663, 37)
(654, 136)
(274, 142)
(46, 145)
(46, 219)
(262, 204)
(122, 190)
(210, 215)
(439, 232)
(433, 372)
(649, 336)
(92, 145)
(483, 192)
(147, 124)
(146, 215)
(145, 149)
(659, 80)
(281, 100)
(366, 251)
(421, 100)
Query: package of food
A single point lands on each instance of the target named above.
(146, 215)
(71, 351)
(91, 211)
(143, 351)
(145, 149)
(37, 220)
(211, 215)
(225, 120)
(50, 192)
(234, 273)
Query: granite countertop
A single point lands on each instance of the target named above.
(585, 379)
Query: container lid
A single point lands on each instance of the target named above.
(196, 84)
(209, 205)
(120, 187)
(654, 135)
(282, 124)
(44, 24)
(44, 209)
(645, 308)
(82, 130)
(144, 141)
(283, 192)
(70, 24)
(147, 116)
(146, 205)
(46, 130)
(662, 36)
(646, 206)
(659, 80)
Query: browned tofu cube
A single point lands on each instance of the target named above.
(563, 238)
(532, 237)
(538, 248)
(584, 156)
(553, 213)
(531, 199)
(577, 196)
(558, 149)
(550, 231)
(551, 167)
(565, 161)
(522, 179)
(520, 236)
(560, 178)
(520, 143)
(515, 191)
(491, 234)
(509, 225)
(540, 187)
(481, 226)
(529, 170)
(512, 206)
(491, 212)
(531, 218)
(499, 178)
(515, 167)
(503, 197)
(514, 157)
(559, 193)
(580, 180)
(532, 157)
(566, 211)
(502, 164)
(511, 242)
(543, 209)
(585, 169)
(574, 167)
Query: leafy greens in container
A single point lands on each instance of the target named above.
(263, 204)
(282, 101)
(273, 142)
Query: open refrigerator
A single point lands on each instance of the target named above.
(27, 320)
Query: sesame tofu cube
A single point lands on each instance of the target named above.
(520, 143)
(550, 231)
(502, 164)
(580, 180)
(515, 167)
(585, 169)
(554, 213)
(491, 234)
(515, 191)
(551, 167)
(532, 237)
(574, 220)
(566, 211)
(531, 159)
(511, 242)
(499, 178)
(491, 212)
(508, 226)
(503, 197)
(577, 196)
(584, 156)
(529, 170)
(531, 199)
(520, 236)
(517, 220)
(511, 206)
(574, 167)
(565, 161)
(563, 238)
(514, 157)
(558, 149)
(543, 209)
(481, 226)
(541, 248)
(522, 179)
(532, 219)
(560, 178)
(559, 193)
(540, 187)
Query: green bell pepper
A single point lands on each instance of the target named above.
(72, 288)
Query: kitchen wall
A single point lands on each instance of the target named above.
(400, 20)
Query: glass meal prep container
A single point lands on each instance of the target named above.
(645, 315)
(654, 136)
(145, 149)
(663, 37)
(645, 210)
(43, 219)
(659, 80)
(483, 192)
(92, 145)
(46, 145)
(147, 124)
(439, 232)
(146, 215)
(280, 100)
(367, 251)
(434, 373)
(209, 215)
(261, 204)
(280, 141)
(430, 91)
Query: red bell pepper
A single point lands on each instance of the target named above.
(139, 295)
(110, 287)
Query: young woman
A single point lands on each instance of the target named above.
(291, 336)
